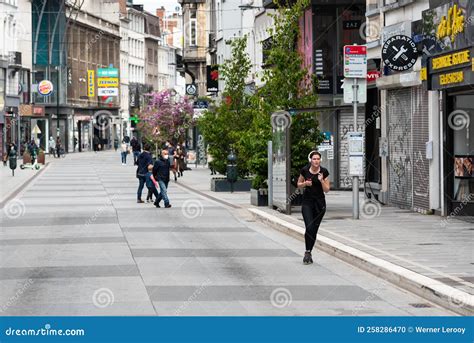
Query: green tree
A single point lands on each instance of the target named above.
(223, 126)
(287, 84)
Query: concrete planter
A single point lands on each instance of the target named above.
(41, 157)
(222, 185)
(259, 197)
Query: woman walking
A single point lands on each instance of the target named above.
(52, 146)
(124, 152)
(314, 179)
(58, 146)
(179, 158)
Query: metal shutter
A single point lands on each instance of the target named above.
(399, 110)
(421, 166)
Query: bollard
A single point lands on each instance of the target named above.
(231, 170)
(12, 160)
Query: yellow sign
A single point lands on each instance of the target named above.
(107, 82)
(450, 78)
(90, 83)
(423, 74)
(472, 64)
(450, 60)
(452, 25)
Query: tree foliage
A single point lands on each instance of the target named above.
(165, 117)
(245, 121)
(223, 127)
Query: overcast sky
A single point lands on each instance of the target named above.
(152, 5)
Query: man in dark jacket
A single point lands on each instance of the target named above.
(135, 149)
(161, 173)
(143, 160)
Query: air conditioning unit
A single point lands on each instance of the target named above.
(14, 60)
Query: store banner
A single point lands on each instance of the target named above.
(213, 78)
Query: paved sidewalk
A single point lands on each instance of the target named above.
(76, 242)
(427, 246)
(10, 184)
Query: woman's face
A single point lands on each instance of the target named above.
(315, 161)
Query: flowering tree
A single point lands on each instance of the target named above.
(165, 117)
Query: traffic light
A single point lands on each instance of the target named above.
(134, 120)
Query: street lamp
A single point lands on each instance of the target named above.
(57, 100)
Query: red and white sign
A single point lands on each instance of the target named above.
(373, 75)
(355, 61)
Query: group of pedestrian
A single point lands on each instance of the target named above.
(154, 176)
(55, 146)
(177, 157)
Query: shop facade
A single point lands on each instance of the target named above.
(449, 70)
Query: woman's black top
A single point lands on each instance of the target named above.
(316, 190)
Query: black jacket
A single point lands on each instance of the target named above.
(135, 145)
(143, 160)
(161, 170)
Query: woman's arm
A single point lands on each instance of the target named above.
(325, 184)
(303, 183)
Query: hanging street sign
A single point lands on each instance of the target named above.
(355, 61)
(90, 83)
(399, 53)
(191, 89)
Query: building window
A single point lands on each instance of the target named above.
(193, 28)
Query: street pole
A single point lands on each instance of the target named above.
(355, 179)
(270, 174)
(57, 103)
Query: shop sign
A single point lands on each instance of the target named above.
(399, 53)
(450, 60)
(451, 70)
(212, 78)
(107, 82)
(107, 72)
(45, 87)
(107, 91)
(451, 25)
(373, 75)
(90, 83)
(38, 111)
